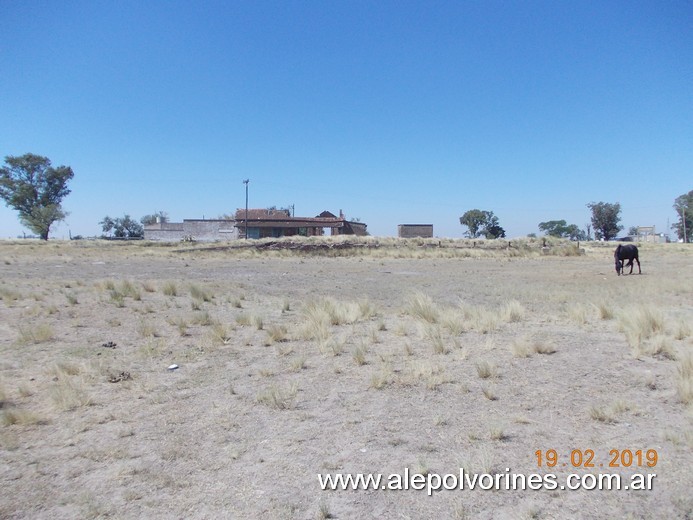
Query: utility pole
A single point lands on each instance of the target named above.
(246, 207)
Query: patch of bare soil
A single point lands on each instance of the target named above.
(161, 383)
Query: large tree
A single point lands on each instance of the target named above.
(561, 229)
(605, 219)
(125, 227)
(481, 222)
(684, 209)
(30, 185)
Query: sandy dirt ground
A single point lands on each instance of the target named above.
(291, 366)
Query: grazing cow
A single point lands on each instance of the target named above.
(626, 252)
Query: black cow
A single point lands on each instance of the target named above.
(626, 252)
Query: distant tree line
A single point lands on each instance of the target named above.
(605, 222)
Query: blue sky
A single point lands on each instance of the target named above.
(393, 111)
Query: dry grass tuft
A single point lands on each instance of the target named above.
(69, 391)
(602, 414)
(276, 334)
(683, 330)
(578, 312)
(359, 354)
(221, 333)
(521, 347)
(513, 312)
(541, 347)
(609, 414)
(434, 336)
(10, 415)
(423, 307)
(605, 311)
(639, 324)
(486, 369)
(489, 392)
(684, 377)
(146, 329)
(299, 363)
(279, 398)
(200, 294)
(35, 333)
(382, 377)
(338, 313)
(170, 289)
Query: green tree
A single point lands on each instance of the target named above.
(605, 219)
(575, 233)
(492, 229)
(683, 206)
(561, 229)
(481, 222)
(554, 228)
(474, 219)
(125, 227)
(159, 216)
(30, 185)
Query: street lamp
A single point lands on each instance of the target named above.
(246, 207)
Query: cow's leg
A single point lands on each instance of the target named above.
(638, 261)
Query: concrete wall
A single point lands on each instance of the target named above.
(198, 229)
(415, 230)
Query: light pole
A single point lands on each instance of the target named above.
(246, 207)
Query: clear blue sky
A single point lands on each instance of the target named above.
(393, 111)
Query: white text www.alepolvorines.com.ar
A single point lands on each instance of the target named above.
(433, 482)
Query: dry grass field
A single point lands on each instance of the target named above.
(426, 355)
